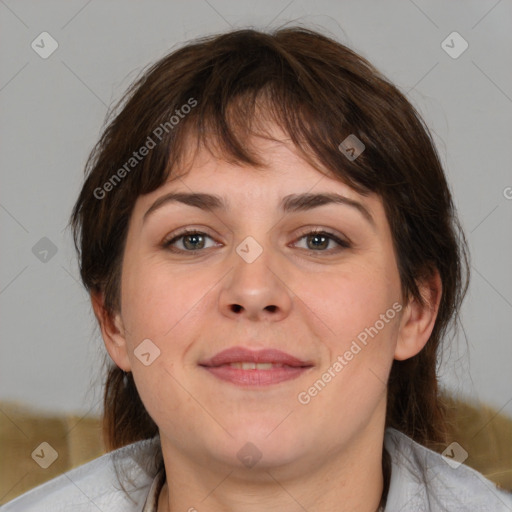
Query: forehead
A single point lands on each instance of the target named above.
(285, 187)
(284, 170)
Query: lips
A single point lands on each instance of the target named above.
(242, 355)
(244, 367)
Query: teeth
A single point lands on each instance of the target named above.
(255, 366)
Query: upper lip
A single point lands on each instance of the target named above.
(242, 355)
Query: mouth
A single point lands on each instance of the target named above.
(244, 367)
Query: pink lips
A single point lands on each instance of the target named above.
(284, 366)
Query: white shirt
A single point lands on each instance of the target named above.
(421, 481)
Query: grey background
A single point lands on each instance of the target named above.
(53, 110)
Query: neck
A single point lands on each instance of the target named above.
(349, 479)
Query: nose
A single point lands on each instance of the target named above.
(256, 290)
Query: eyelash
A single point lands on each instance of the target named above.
(343, 244)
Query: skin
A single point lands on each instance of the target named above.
(322, 456)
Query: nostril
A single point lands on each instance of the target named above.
(236, 308)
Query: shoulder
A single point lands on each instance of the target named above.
(423, 480)
(97, 484)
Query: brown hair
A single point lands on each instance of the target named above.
(319, 92)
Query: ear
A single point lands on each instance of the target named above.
(112, 331)
(418, 320)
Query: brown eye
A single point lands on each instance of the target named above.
(318, 241)
(193, 242)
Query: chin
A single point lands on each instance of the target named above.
(262, 440)
(262, 454)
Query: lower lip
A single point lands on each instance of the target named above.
(256, 377)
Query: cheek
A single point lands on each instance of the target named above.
(351, 299)
(361, 311)
(156, 300)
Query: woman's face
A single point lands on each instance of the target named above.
(254, 277)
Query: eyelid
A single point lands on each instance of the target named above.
(342, 241)
(177, 234)
(321, 230)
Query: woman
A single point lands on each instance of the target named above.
(273, 257)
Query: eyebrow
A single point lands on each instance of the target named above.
(289, 203)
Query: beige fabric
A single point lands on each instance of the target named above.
(487, 437)
(75, 439)
(480, 430)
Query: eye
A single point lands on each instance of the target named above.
(318, 240)
(190, 241)
(193, 241)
